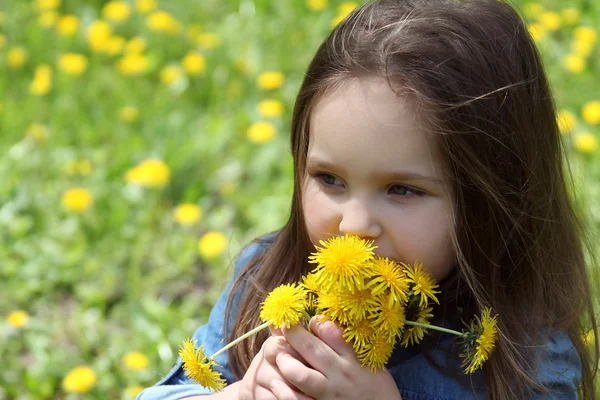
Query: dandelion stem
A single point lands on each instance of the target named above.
(244, 336)
(434, 327)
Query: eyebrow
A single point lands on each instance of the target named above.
(313, 162)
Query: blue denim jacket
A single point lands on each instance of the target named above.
(559, 366)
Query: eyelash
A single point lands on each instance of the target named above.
(320, 176)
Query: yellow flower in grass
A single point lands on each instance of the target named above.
(194, 63)
(37, 132)
(42, 80)
(537, 31)
(212, 244)
(480, 341)
(99, 33)
(67, 25)
(570, 15)
(377, 352)
(591, 112)
(341, 262)
(421, 283)
(79, 380)
(16, 57)
(585, 34)
(129, 114)
(47, 5)
(574, 63)
(136, 361)
(387, 275)
(344, 10)
(588, 338)
(285, 305)
(73, 63)
(77, 199)
(117, 11)
(270, 108)
(133, 391)
(270, 80)
(414, 334)
(145, 6)
(136, 45)
(586, 142)
(114, 45)
(48, 19)
(187, 214)
(550, 20)
(316, 5)
(17, 319)
(567, 121)
(199, 367)
(170, 74)
(162, 21)
(582, 48)
(132, 64)
(150, 173)
(261, 132)
(207, 40)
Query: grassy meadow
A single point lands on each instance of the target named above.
(144, 142)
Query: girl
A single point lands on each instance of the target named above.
(427, 126)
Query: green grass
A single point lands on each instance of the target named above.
(123, 275)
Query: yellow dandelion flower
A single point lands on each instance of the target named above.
(344, 10)
(261, 132)
(359, 303)
(42, 80)
(114, 45)
(132, 64)
(359, 333)
(199, 367)
(67, 25)
(212, 244)
(48, 19)
(567, 121)
(588, 338)
(389, 317)
(207, 40)
(591, 112)
(570, 15)
(145, 6)
(421, 283)
(73, 63)
(47, 5)
(133, 390)
(117, 11)
(537, 31)
(270, 108)
(270, 80)
(585, 34)
(285, 305)
(16, 57)
(136, 45)
(187, 214)
(586, 142)
(98, 34)
(342, 261)
(170, 74)
(582, 48)
(79, 380)
(37, 132)
(129, 114)
(330, 306)
(136, 361)
(387, 275)
(414, 334)
(150, 173)
(77, 199)
(17, 319)
(377, 353)
(550, 20)
(316, 5)
(162, 21)
(194, 63)
(480, 341)
(574, 63)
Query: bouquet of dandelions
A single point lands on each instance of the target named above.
(378, 302)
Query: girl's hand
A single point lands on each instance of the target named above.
(334, 371)
(263, 375)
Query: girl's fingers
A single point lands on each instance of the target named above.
(283, 392)
(305, 379)
(312, 349)
(331, 334)
(278, 344)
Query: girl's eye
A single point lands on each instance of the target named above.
(330, 180)
(403, 190)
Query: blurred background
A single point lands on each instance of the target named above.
(144, 142)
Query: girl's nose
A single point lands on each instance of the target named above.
(358, 219)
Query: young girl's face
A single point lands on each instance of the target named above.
(371, 171)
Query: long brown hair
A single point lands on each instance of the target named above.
(476, 76)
